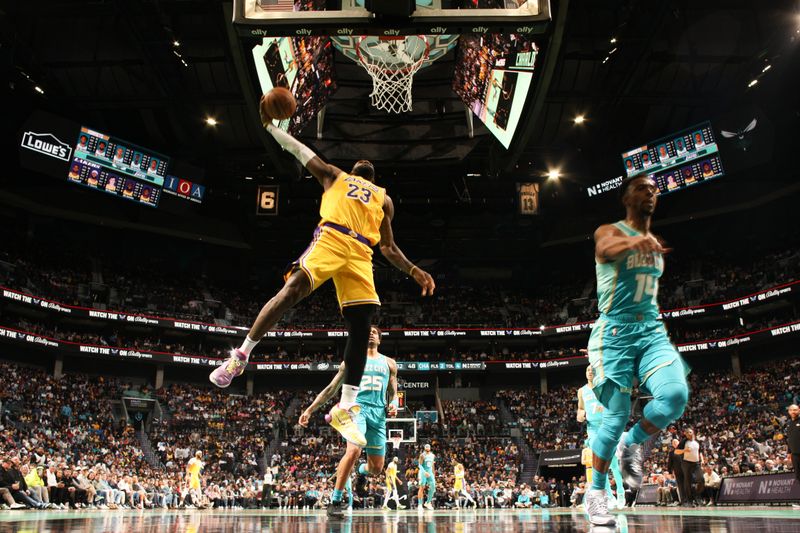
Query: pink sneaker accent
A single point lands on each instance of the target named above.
(223, 375)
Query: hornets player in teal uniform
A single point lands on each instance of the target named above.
(377, 394)
(628, 341)
(426, 477)
(591, 412)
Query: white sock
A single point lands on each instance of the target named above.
(247, 345)
(349, 393)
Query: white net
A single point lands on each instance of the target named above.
(392, 64)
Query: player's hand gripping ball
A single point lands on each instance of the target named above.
(277, 104)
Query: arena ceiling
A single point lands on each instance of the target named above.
(113, 64)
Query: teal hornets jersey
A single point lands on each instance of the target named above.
(629, 285)
(593, 408)
(427, 462)
(374, 383)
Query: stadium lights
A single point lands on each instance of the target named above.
(553, 174)
(766, 68)
(579, 119)
(606, 59)
(613, 40)
(38, 89)
(612, 51)
(211, 121)
(541, 328)
(248, 178)
(185, 64)
(176, 43)
(752, 83)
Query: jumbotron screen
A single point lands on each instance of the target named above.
(493, 76)
(304, 65)
(117, 167)
(121, 156)
(677, 161)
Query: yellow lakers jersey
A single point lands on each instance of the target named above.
(355, 203)
(194, 466)
(459, 475)
(391, 474)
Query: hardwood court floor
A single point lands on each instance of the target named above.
(649, 520)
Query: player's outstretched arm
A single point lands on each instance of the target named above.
(396, 257)
(391, 389)
(611, 243)
(327, 393)
(581, 415)
(325, 173)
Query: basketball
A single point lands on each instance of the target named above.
(278, 103)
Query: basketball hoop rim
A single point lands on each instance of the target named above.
(411, 67)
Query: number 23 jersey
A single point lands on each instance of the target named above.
(355, 203)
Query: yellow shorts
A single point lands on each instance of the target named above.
(332, 254)
(586, 460)
(458, 486)
(194, 483)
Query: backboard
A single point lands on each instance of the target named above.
(406, 428)
(263, 18)
(490, 46)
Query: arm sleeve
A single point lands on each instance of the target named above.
(303, 153)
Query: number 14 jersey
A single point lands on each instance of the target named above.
(629, 285)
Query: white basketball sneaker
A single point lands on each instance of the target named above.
(596, 504)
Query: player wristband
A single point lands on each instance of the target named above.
(395, 403)
(303, 153)
(411, 270)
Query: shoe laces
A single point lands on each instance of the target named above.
(344, 419)
(598, 505)
(234, 364)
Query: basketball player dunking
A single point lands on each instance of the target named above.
(356, 215)
(629, 341)
(377, 394)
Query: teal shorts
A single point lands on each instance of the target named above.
(619, 350)
(371, 421)
(424, 480)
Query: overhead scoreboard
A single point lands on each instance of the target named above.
(677, 161)
(117, 167)
(58, 147)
